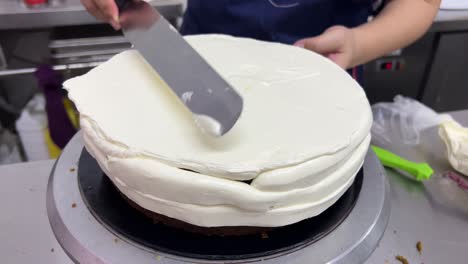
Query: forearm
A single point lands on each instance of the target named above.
(399, 24)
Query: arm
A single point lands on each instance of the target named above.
(399, 24)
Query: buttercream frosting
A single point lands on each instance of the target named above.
(455, 138)
(296, 148)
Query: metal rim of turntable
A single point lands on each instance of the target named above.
(86, 240)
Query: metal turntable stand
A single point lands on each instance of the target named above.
(87, 239)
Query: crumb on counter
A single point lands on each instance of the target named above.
(402, 259)
(116, 240)
(419, 247)
(73, 205)
(72, 169)
(52, 250)
(265, 235)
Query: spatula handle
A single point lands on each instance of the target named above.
(421, 171)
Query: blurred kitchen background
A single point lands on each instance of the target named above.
(44, 42)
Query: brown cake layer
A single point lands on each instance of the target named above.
(208, 231)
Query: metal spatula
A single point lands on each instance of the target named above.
(195, 82)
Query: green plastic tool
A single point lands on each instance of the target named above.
(421, 171)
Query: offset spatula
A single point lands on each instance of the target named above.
(195, 82)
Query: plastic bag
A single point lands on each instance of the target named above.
(9, 149)
(402, 120)
(31, 127)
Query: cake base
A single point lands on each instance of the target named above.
(208, 231)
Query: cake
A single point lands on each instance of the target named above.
(297, 147)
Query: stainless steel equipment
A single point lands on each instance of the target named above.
(86, 240)
(14, 15)
(31, 34)
(199, 87)
(61, 34)
(432, 70)
(3, 63)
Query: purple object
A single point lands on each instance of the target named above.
(60, 126)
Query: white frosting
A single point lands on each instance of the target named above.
(455, 138)
(301, 138)
(208, 125)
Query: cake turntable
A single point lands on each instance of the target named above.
(94, 224)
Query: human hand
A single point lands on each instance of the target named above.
(138, 14)
(336, 43)
(104, 10)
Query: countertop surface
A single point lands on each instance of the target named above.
(27, 236)
(24, 226)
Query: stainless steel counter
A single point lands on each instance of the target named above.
(27, 236)
(415, 217)
(14, 15)
(24, 227)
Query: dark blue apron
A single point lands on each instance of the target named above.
(282, 21)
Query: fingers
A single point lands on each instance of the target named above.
(340, 59)
(336, 43)
(300, 43)
(109, 10)
(330, 41)
(140, 15)
(93, 9)
(104, 10)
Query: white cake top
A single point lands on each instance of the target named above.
(301, 138)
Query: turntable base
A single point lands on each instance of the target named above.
(357, 222)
